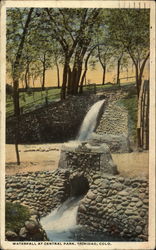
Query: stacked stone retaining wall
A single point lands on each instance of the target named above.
(113, 204)
(57, 122)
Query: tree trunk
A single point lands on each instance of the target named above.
(26, 79)
(118, 72)
(43, 73)
(16, 140)
(137, 79)
(64, 82)
(142, 70)
(58, 75)
(139, 120)
(16, 82)
(139, 73)
(104, 75)
(17, 114)
(16, 98)
(83, 78)
(43, 78)
(77, 78)
(69, 80)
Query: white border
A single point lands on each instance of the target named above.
(82, 4)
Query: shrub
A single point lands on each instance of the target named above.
(15, 216)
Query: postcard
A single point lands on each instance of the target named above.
(77, 125)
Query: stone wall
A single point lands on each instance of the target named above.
(58, 122)
(117, 206)
(41, 191)
(112, 204)
(114, 120)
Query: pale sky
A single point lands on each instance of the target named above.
(93, 76)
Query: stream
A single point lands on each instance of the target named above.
(60, 225)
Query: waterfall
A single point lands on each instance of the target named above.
(61, 221)
(89, 122)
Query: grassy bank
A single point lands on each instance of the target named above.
(130, 103)
(33, 99)
(15, 216)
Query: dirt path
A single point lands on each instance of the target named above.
(132, 164)
(33, 158)
(46, 157)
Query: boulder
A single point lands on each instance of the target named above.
(11, 236)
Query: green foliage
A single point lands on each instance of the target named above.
(56, 35)
(129, 28)
(15, 216)
(130, 103)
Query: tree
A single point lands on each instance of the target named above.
(90, 51)
(130, 28)
(74, 30)
(104, 54)
(13, 15)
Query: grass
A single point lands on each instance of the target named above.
(32, 100)
(130, 103)
(15, 216)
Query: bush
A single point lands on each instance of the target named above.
(15, 216)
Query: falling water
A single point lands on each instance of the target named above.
(89, 121)
(60, 223)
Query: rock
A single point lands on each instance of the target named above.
(138, 229)
(121, 179)
(20, 194)
(125, 203)
(91, 195)
(96, 176)
(142, 190)
(33, 212)
(132, 204)
(82, 208)
(142, 213)
(9, 190)
(134, 199)
(104, 184)
(145, 201)
(97, 181)
(139, 204)
(127, 182)
(135, 184)
(135, 218)
(23, 232)
(130, 212)
(119, 207)
(31, 226)
(110, 205)
(123, 193)
(117, 186)
(12, 236)
(99, 199)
